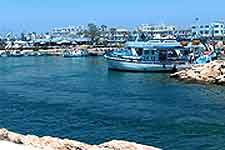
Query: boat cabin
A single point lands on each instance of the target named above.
(169, 55)
(168, 52)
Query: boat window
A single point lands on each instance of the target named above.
(186, 52)
(153, 52)
(153, 58)
(172, 53)
(146, 52)
(139, 51)
(163, 55)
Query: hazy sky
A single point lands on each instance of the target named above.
(41, 15)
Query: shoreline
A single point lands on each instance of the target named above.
(59, 51)
(15, 141)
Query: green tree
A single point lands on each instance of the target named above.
(104, 28)
(93, 32)
(113, 32)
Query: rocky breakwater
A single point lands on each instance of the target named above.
(213, 72)
(31, 142)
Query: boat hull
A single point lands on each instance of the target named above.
(142, 67)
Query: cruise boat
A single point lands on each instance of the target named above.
(151, 56)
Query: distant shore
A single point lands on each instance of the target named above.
(59, 51)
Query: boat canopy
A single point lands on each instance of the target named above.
(138, 44)
(168, 44)
(168, 47)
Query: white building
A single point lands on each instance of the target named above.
(157, 29)
(215, 29)
(116, 34)
(67, 30)
(121, 34)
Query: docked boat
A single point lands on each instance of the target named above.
(74, 53)
(16, 53)
(5, 54)
(151, 56)
(32, 53)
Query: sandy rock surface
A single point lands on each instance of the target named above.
(213, 72)
(13, 141)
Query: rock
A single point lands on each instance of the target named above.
(124, 145)
(31, 142)
(4, 145)
(4, 134)
(209, 73)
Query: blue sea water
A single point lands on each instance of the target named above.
(78, 98)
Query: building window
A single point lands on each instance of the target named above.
(207, 26)
(206, 32)
(201, 32)
(201, 26)
(216, 26)
(216, 31)
(193, 27)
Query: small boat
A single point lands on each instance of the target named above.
(16, 53)
(32, 53)
(5, 54)
(152, 56)
(75, 53)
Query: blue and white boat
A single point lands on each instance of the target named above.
(151, 56)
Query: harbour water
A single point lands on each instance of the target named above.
(79, 98)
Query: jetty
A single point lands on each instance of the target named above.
(14, 141)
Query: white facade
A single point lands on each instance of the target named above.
(215, 29)
(156, 29)
(121, 34)
(66, 30)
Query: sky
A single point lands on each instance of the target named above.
(42, 15)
